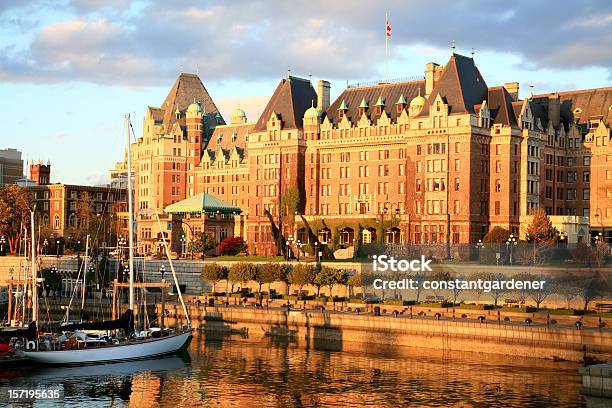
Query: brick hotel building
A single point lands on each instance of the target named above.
(440, 159)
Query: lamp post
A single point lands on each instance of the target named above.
(298, 243)
(2, 242)
(162, 271)
(288, 242)
(57, 243)
(511, 243)
(45, 244)
(480, 246)
(183, 244)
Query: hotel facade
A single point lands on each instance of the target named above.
(439, 159)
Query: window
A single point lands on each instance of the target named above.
(586, 176)
(586, 160)
(56, 222)
(586, 194)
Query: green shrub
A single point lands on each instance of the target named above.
(394, 302)
(472, 306)
(273, 296)
(561, 312)
(436, 304)
(516, 309)
(339, 299)
(356, 300)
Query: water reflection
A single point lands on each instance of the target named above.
(246, 372)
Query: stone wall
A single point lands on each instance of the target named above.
(527, 341)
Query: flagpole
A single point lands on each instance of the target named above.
(386, 48)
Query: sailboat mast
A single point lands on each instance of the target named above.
(130, 209)
(34, 274)
(85, 269)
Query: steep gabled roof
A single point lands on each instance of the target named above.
(388, 92)
(591, 103)
(187, 89)
(292, 97)
(156, 113)
(500, 106)
(461, 86)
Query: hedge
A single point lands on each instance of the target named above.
(524, 309)
(472, 306)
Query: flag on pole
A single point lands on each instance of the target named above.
(388, 27)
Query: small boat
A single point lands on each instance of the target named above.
(61, 350)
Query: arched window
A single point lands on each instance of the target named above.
(56, 222)
(46, 219)
(72, 220)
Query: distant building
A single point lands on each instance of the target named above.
(11, 166)
(56, 204)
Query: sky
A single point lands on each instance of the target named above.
(70, 69)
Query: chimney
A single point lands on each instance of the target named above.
(554, 108)
(430, 77)
(513, 89)
(323, 94)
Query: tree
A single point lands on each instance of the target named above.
(267, 273)
(214, 273)
(600, 253)
(302, 275)
(232, 246)
(281, 274)
(242, 272)
(289, 204)
(457, 289)
(497, 292)
(582, 253)
(592, 286)
(497, 235)
(204, 243)
(542, 235)
(353, 282)
(567, 287)
(330, 277)
(14, 212)
(475, 277)
(523, 292)
(539, 295)
(541, 230)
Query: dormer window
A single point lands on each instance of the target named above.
(380, 103)
(438, 106)
(219, 138)
(363, 107)
(342, 110)
(401, 104)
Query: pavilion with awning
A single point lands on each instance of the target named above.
(202, 213)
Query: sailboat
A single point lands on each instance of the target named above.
(57, 351)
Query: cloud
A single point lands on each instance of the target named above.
(102, 42)
(252, 105)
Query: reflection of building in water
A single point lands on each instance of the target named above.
(146, 390)
(252, 373)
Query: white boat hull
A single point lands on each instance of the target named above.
(129, 351)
